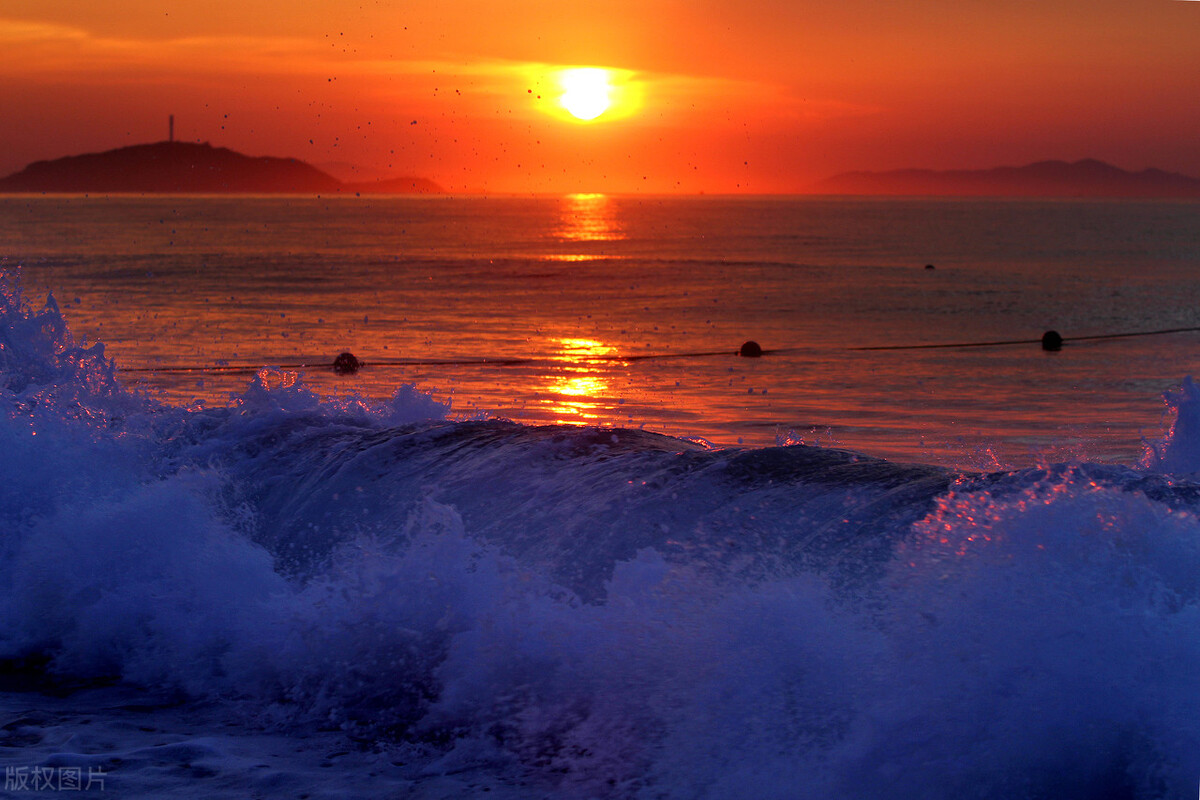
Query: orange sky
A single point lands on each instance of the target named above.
(752, 96)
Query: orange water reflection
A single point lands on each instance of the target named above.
(579, 390)
(587, 217)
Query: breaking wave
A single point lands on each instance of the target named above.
(602, 612)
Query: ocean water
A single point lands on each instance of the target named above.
(543, 310)
(556, 540)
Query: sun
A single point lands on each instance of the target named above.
(587, 92)
(584, 94)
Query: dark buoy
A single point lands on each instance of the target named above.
(750, 350)
(346, 364)
(1051, 341)
(930, 266)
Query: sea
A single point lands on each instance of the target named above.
(563, 533)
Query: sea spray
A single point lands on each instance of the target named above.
(41, 365)
(1179, 452)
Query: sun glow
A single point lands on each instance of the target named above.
(586, 92)
(588, 95)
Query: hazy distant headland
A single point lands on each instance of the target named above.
(199, 168)
(190, 168)
(1087, 178)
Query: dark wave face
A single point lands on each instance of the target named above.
(587, 612)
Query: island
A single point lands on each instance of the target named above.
(1086, 178)
(192, 168)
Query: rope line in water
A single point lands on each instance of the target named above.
(1026, 341)
(415, 362)
(945, 346)
(510, 362)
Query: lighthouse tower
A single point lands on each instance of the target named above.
(171, 128)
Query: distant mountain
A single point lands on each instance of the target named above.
(394, 186)
(189, 168)
(348, 172)
(1087, 178)
(365, 180)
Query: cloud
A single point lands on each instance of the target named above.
(19, 31)
(32, 47)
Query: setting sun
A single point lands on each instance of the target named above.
(587, 92)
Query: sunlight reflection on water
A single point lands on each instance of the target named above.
(578, 391)
(586, 218)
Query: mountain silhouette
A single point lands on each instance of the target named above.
(190, 168)
(1087, 178)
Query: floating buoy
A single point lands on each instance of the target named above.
(750, 350)
(346, 364)
(1052, 341)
